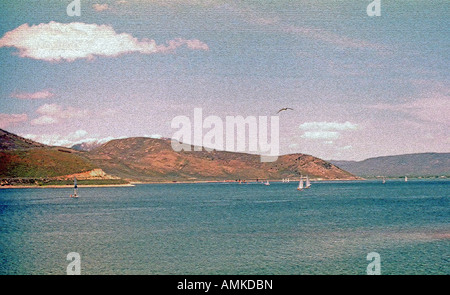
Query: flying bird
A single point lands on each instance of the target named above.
(284, 109)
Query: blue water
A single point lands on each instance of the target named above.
(227, 228)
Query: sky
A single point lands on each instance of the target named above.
(359, 86)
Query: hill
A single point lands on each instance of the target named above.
(424, 164)
(41, 162)
(148, 159)
(10, 141)
(24, 158)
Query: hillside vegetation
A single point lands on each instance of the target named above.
(149, 160)
(41, 162)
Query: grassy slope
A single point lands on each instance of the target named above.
(41, 162)
(10, 141)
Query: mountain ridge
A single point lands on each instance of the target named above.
(153, 160)
(11, 141)
(415, 164)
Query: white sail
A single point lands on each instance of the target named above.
(300, 184)
(406, 178)
(308, 184)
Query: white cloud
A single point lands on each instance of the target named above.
(279, 25)
(432, 107)
(327, 131)
(328, 126)
(59, 112)
(73, 138)
(58, 42)
(44, 120)
(327, 135)
(7, 120)
(49, 109)
(33, 95)
(79, 134)
(54, 113)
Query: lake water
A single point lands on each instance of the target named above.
(227, 228)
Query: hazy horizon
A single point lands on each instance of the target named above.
(360, 86)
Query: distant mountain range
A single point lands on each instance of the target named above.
(151, 160)
(424, 164)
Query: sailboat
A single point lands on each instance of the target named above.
(267, 183)
(384, 180)
(75, 188)
(406, 178)
(300, 184)
(307, 183)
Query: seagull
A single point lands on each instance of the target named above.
(284, 109)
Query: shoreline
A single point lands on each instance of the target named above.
(234, 181)
(65, 186)
(132, 184)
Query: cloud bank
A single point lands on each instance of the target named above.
(328, 126)
(321, 135)
(325, 130)
(433, 108)
(68, 42)
(7, 120)
(69, 140)
(53, 113)
(34, 95)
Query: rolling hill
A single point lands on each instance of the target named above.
(24, 158)
(151, 160)
(41, 162)
(148, 159)
(423, 164)
(10, 141)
